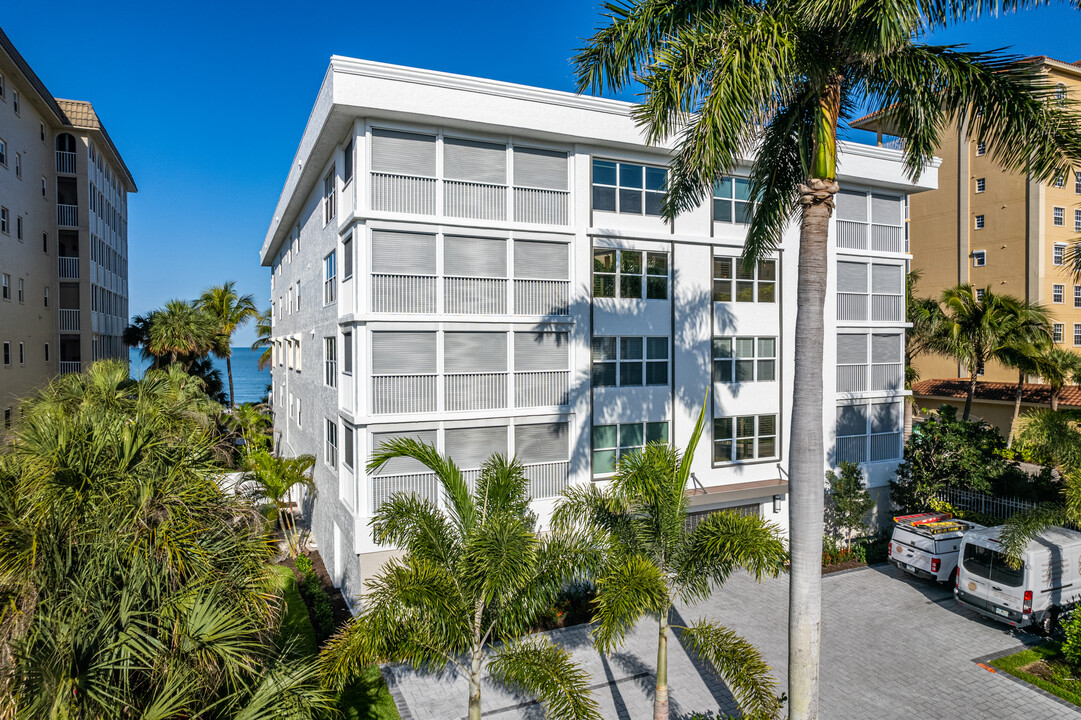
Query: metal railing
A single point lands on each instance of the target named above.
(475, 296)
(851, 235)
(887, 238)
(851, 449)
(887, 376)
(403, 293)
(392, 394)
(69, 320)
(888, 308)
(68, 268)
(70, 366)
(403, 194)
(478, 201)
(542, 297)
(547, 479)
(1000, 507)
(543, 388)
(857, 235)
(67, 215)
(546, 207)
(851, 306)
(885, 446)
(65, 162)
(423, 485)
(851, 378)
(475, 391)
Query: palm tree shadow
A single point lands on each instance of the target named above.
(726, 703)
(622, 713)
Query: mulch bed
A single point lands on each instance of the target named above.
(337, 602)
(846, 565)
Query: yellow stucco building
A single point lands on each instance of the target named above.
(996, 229)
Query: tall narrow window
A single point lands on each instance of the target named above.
(1058, 255)
(329, 209)
(1056, 294)
(19, 166)
(1057, 329)
(7, 352)
(21, 292)
(347, 353)
(981, 184)
(22, 354)
(981, 148)
(331, 451)
(330, 272)
(347, 447)
(330, 375)
(347, 162)
(5, 286)
(347, 258)
(1059, 216)
(46, 352)
(979, 222)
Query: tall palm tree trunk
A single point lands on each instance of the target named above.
(1016, 407)
(807, 461)
(909, 402)
(229, 371)
(971, 394)
(660, 699)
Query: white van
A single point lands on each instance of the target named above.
(927, 545)
(1048, 582)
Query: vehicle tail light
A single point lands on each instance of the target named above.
(936, 563)
(891, 550)
(1026, 606)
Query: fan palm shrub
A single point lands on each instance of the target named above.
(775, 79)
(228, 311)
(654, 556)
(180, 330)
(476, 574)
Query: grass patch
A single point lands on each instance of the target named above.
(1057, 681)
(367, 698)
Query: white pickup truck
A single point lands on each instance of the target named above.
(927, 545)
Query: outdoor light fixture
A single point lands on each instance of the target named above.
(776, 503)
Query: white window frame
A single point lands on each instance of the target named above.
(1077, 220)
(726, 368)
(330, 361)
(735, 437)
(1058, 254)
(981, 185)
(1057, 331)
(979, 294)
(1058, 216)
(1077, 334)
(618, 274)
(647, 430)
(735, 283)
(1058, 294)
(979, 258)
(643, 363)
(330, 202)
(980, 222)
(330, 443)
(981, 149)
(330, 278)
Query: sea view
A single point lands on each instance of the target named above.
(249, 381)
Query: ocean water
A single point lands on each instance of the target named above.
(248, 380)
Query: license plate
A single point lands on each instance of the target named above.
(1003, 613)
(910, 568)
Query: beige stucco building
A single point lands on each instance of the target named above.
(63, 235)
(996, 229)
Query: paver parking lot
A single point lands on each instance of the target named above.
(892, 647)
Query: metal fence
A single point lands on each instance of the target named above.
(1000, 507)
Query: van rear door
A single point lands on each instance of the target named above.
(976, 563)
(913, 549)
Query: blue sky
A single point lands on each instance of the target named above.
(207, 101)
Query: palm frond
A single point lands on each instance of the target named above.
(446, 471)
(739, 664)
(721, 543)
(629, 588)
(546, 671)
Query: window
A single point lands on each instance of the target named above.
(611, 442)
(1059, 216)
(1077, 296)
(630, 361)
(732, 200)
(1056, 294)
(627, 188)
(347, 353)
(732, 281)
(328, 197)
(41, 130)
(7, 353)
(46, 352)
(1077, 220)
(979, 294)
(44, 187)
(744, 359)
(981, 148)
(329, 274)
(1057, 329)
(1060, 94)
(330, 375)
(1059, 181)
(347, 258)
(979, 222)
(298, 411)
(979, 257)
(19, 165)
(3, 153)
(46, 296)
(869, 431)
(981, 184)
(622, 273)
(298, 296)
(1077, 334)
(3, 89)
(347, 162)
(19, 227)
(1058, 255)
(5, 226)
(15, 101)
(5, 286)
(746, 437)
(22, 293)
(1077, 182)
(22, 354)
(45, 242)
(347, 447)
(330, 455)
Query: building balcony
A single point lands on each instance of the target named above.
(546, 480)
(69, 320)
(404, 394)
(70, 366)
(67, 215)
(65, 162)
(469, 295)
(68, 268)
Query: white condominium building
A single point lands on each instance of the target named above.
(482, 266)
(63, 235)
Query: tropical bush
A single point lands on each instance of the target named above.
(1051, 438)
(130, 584)
(316, 598)
(1071, 645)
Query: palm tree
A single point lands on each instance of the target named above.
(1023, 355)
(977, 332)
(923, 315)
(264, 330)
(654, 555)
(254, 422)
(272, 479)
(778, 76)
(1059, 367)
(476, 573)
(180, 329)
(229, 312)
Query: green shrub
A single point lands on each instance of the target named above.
(847, 501)
(316, 598)
(1071, 646)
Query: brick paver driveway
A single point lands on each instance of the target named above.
(892, 647)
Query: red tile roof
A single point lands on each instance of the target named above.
(1032, 394)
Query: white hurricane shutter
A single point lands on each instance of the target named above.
(886, 348)
(851, 349)
(536, 351)
(851, 277)
(403, 466)
(852, 205)
(469, 352)
(474, 257)
(541, 260)
(540, 168)
(401, 153)
(470, 447)
(474, 161)
(546, 442)
(403, 353)
(887, 210)
(400, 253)
(887, 279)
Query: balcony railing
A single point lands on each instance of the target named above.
(403, 194)
(68, 268)
(885, 446)
(67, 215)
(851, 378)
(69, 320)
(65, 162)
(474, 200)
(851, 449)
(70, 366)
(393, 394)
(888, 308)
(851, 306)
(546, 480)
(475, 391)
(475, 296)
(546, 207)
(544, 388)
(887, 238)
(542, 297)
(853, 235)
(403, 293)
(887, 376)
